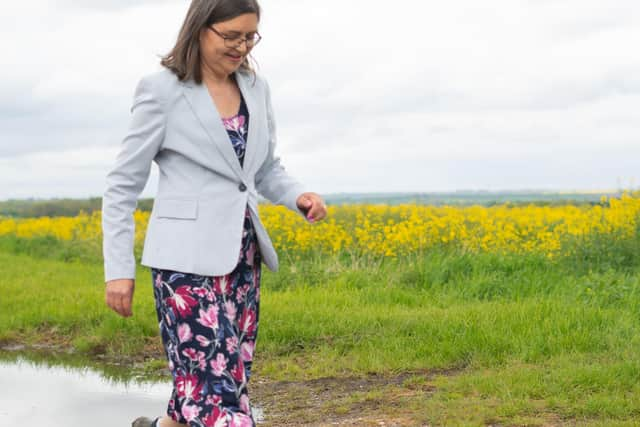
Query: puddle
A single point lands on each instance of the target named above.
(38, 394)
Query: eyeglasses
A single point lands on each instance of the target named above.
(236, 41)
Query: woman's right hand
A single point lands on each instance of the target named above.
(119, 294)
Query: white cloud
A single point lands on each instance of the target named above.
(79, 172)
(369, 96)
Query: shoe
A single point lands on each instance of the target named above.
(145, 422)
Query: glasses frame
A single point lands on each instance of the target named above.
(228, 43)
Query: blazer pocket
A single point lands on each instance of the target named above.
(176, 208)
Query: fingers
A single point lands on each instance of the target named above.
(125, 306)
(304, 203)
(317, 211)
(118, 296)
(117, 304)
(122, 306)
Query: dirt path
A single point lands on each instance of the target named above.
(373, 400)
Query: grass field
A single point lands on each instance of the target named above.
(446, 336)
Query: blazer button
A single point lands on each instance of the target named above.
(242, 187)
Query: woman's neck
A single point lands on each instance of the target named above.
(209, 76)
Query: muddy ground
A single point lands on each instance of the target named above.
(369, 400)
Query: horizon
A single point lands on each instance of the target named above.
(531, 191)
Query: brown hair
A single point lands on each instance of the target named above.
(184, 59)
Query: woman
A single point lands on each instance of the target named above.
(206, 119)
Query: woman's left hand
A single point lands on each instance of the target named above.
(312, 205)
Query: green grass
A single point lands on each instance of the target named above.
(527, 340)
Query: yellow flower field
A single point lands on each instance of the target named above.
(391, 231)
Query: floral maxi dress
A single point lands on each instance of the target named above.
(209, 326)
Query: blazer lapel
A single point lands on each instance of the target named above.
(205, 110)
(252, 106)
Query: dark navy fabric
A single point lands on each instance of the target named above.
(209, 326)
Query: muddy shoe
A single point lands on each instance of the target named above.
(145, 422)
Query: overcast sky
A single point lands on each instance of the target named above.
(369, 95)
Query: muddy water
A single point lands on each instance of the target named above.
(38, 394)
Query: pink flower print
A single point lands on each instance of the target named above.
(240, 420)
(202, 363)
(246, 350)
(211, 296)
(234, 123)
(190, 412)
(230, 310)
(171, 365)
(247, 321)
(184, 332)
(237, 372)
(218, 418)
(213, 399)
(167, 319)
(209, 318)
(182, 301)
(240, 293)
(203, 340)
(221, 285)
(219, 365)
(191, 353)
(251, 253)
(232, 344)
(201, 292)
(187, 386)
(244, 404)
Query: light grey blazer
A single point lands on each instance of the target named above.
(198, 213)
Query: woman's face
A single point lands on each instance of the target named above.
(219, 58)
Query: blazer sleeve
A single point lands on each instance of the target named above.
(272, 180)
(127, 179)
